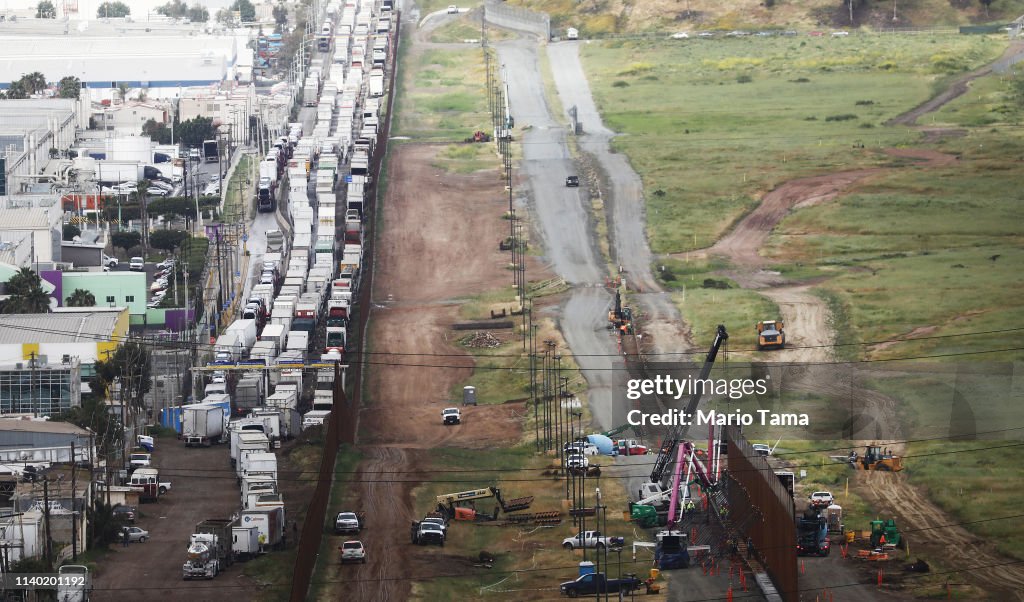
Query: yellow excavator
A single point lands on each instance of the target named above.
(771, 334)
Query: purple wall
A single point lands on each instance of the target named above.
(175, 319)
(56, 278)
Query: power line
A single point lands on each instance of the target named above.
(632, 465)
(179, 345)
(230, 474)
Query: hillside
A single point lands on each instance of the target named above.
(626, 16)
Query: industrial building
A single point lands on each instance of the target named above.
(88, 334)
(41, 386)
(158, 64)
(29, 129)
(111, 289)
(39, 228)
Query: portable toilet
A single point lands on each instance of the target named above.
(586, 568)
(469, 396)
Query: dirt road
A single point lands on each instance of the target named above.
(438, 244)
(203, 486)
(1013, 53)
(928, 525)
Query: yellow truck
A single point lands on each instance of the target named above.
(771, 334)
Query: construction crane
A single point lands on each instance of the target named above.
(668, 446)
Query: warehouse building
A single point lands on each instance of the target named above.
(88, 334)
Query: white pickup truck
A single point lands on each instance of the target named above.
(591, 539)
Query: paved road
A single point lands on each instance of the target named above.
(564, 225)
(627, 226)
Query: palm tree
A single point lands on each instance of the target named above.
(26, 294)
(35, 82)
(22, 281)
(122, 91)
(81, 298)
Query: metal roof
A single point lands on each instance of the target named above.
(40, 426)
(150, 61)
(27, 218)
(58, 327)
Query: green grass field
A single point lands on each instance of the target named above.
(929, 253)
(974, 486)
(658, 17)
(442, 94)
(738, 309)
(734, 118)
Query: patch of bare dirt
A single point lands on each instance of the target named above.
(743, 243)
(438, 243)
(920, 331)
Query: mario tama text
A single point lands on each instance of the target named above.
(736, 417)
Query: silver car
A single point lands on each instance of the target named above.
(136, 534)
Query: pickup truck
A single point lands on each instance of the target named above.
(591, 539)
(348, 522)
(451, 416)
(165, 486)
(597, 583)
(427, 533)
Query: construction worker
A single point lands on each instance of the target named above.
(262, 541)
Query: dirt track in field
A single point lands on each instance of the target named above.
(438, 245)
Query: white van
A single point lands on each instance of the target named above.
(572, 34)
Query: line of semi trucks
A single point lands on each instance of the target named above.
(300, 308)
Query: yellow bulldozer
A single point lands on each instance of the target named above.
(876, 458)
(771, 334)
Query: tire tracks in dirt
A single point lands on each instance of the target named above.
(378, 495)
(441, 249)
(927, 522)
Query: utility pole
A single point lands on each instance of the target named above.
(46, 516)
(74, 512)
(32, 396)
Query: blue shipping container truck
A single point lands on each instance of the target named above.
(171, 417)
